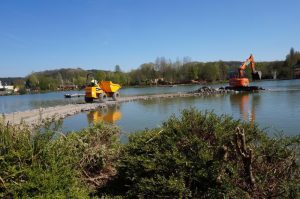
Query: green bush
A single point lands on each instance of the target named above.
(202, 155)
(197, 155)
(46, 164)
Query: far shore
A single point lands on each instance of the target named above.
(2, 93)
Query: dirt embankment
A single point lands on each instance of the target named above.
(34, 116)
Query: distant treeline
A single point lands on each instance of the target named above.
(161, 71)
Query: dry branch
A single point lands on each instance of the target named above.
(247, 155)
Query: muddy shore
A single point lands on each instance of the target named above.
(35, 116)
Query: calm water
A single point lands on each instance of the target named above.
(277, 108)
(13, 103)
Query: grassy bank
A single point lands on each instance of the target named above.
(198, 155)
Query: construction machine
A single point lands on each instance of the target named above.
(100, 90)
(238, 80)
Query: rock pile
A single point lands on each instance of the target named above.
(205, 90)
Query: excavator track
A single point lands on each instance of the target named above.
(244, 88)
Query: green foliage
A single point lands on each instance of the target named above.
(46, 164)
(32, 81)
(292, 58)
(117, 69)
(100, 75)
(196, 156)
(210, 72)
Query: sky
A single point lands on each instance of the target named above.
(37, 35)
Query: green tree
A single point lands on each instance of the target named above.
(48, 83)
(80, 81)
(223, 68)
(32, 81)
(291, 59)
(117, 69)
(190, 71)
(60, 79)
(210, 72)
(100, 75)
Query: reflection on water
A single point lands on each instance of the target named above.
(110, 115)
(246, 103)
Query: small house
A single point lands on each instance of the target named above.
(6, 87)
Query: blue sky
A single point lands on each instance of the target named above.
(40, 35)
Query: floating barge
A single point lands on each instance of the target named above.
(244, 88)
(74, 95)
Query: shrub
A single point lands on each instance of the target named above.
(46, 164)
(202, 155)
(197, 155)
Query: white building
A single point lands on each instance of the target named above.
(5, 87)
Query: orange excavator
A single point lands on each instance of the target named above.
(239, 80)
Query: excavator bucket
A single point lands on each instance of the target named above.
(256, 75)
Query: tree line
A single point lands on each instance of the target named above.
(161, 71)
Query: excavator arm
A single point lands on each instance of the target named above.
(256, 75)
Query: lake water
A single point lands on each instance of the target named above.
(277, 108)
(15, 103)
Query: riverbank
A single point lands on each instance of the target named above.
(35, 116)
(5, 93)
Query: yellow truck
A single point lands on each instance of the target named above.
(100, 90)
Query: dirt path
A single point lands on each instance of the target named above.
(34, 116)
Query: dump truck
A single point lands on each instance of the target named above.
(95, 90)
